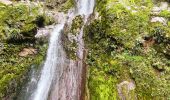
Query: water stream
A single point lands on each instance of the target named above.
(55, 58)
(61, 78)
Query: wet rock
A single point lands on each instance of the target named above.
(126, 90)
(59, 16)
(44, 32)
(28, 51)
(97, 15)
(72, 37)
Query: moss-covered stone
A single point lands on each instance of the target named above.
(21, 21)
(67, 5)
(77, 25)
(124, 45)
(70, 36)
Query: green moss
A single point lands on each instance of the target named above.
(165, 13)
(120, 48)
(70, 45)
(21, 21)
(102, 85)
(149, 85)
(67, 5)
(18, 25)
(14, 68)
(77, 25)
(71, 49)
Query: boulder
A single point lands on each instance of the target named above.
(159, 19)
(126, 90)
(28, 51)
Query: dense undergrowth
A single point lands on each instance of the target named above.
(125, 46)
(18, 25)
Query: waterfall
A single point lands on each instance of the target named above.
(54, 59)
(85, 7)
(57, 78)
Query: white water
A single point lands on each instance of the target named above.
(56, 56)
(85, 7)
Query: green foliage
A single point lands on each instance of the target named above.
(67, 5)
(18, 25)
(15, 35)
(165, 13)
(71, 49)
(13, 68)
(70, 45)
(149, 84)
(77, 24)
(20, 21)
(120, 48)
(124, 24)
(161, 34)
(102, 84)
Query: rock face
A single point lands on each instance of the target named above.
(73, 76)
(72, 82)
(44, 32)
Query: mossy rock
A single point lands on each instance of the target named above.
(77, 25)
(23, 19)
(118, 49)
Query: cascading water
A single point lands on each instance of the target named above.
(85, 7)
(61, 78)
(54, 59)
